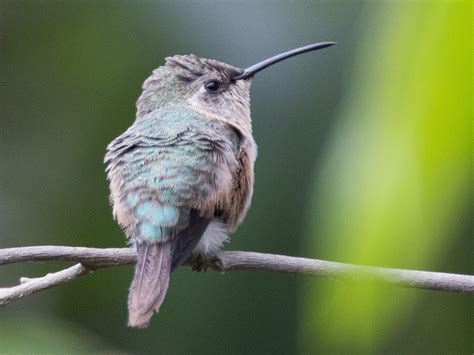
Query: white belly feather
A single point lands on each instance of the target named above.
(213, 239)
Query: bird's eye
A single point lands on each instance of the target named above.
(212, 86)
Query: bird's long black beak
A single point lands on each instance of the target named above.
(252, 70)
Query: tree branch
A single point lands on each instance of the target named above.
(90, 259)
(28, 286)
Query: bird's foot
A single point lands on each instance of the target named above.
(202, 263)
(199, 263)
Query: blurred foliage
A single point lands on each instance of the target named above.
(394, 185)
(27, 334)
(380, 176)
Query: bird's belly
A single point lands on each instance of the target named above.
(213, 239)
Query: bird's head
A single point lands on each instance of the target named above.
(214, 89)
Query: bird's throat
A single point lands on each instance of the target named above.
(245, 129)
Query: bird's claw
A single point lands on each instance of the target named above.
(202, 263)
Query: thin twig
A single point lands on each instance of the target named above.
(90, 259)
(28, 286)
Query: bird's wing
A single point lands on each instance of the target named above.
(242, 190)
(162, 168)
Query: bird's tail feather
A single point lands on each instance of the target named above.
(150, 283)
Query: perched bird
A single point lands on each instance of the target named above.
(181, 177)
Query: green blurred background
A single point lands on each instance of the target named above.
(365, 156)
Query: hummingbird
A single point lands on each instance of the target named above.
(181, 176)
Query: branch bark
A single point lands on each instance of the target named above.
(90, 259)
